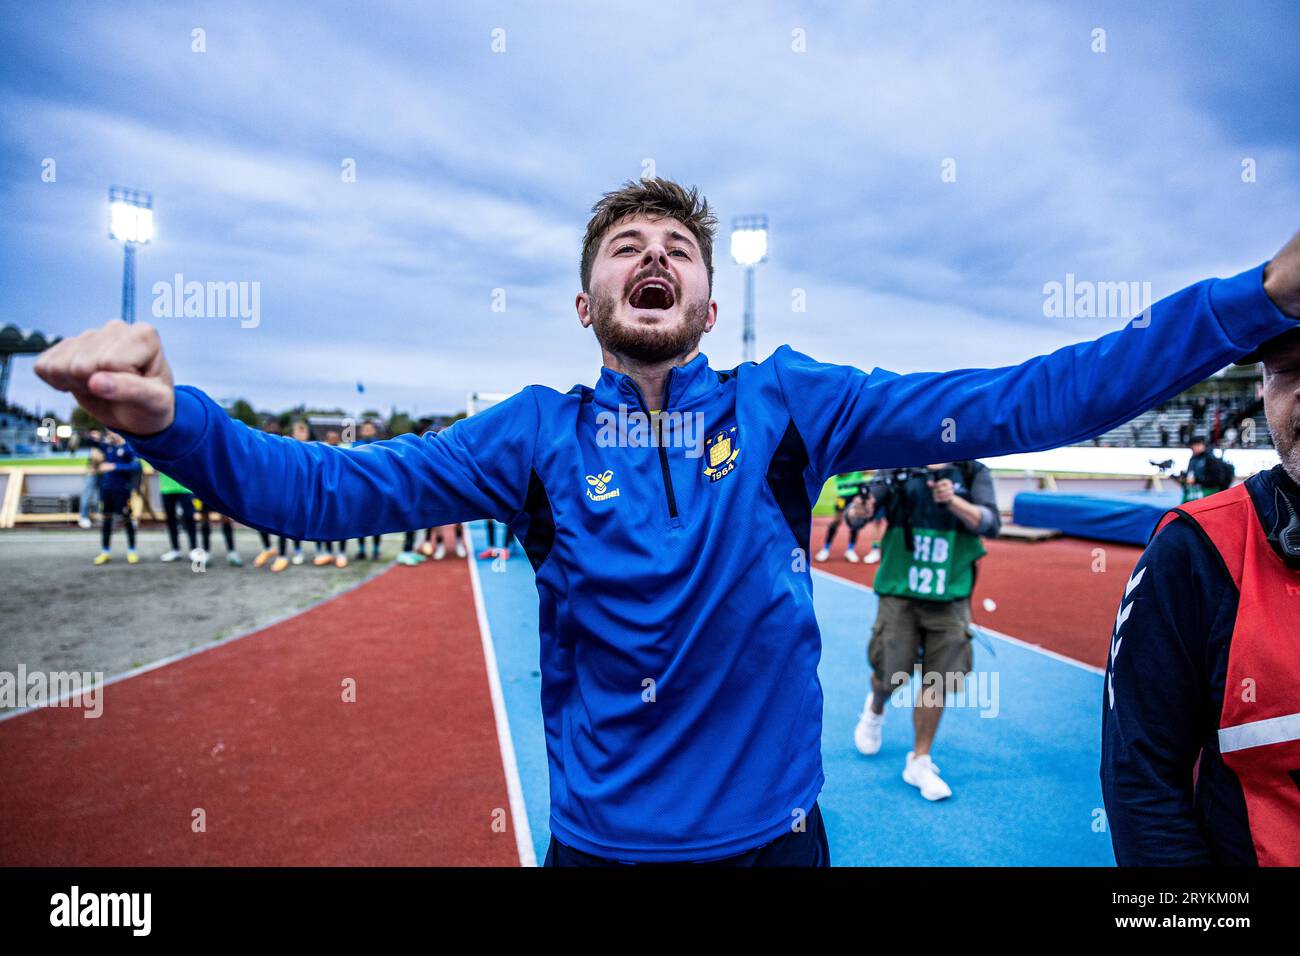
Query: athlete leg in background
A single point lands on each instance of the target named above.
(205, 532)
(374, 546)
(441, 551)
(408, 555)
(266, 554)
(106, 504)
(89, 498)
(116, 503)
(173, 523)
(228, 532)
(171, 502)
(875, 531)
(282, 559)
(492, 550)
(833, 527)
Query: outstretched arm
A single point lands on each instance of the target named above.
(478, 467)
(850, 419)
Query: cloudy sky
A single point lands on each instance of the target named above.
(481, 133)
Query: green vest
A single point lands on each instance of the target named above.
(941, 564)
(1193, 492)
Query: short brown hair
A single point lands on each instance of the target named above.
(656, 198)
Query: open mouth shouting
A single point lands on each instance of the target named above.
(654, 293)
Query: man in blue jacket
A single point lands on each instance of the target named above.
(666, 512)
(117, 474)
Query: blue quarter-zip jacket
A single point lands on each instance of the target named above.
(679, 648)
(121, 477)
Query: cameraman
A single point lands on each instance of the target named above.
(937, 516)
(1207, 474)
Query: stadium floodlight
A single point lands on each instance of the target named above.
(749, 240)
(130, 222)
(130, 215)
(749, 249)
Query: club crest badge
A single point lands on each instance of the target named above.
(720, 451)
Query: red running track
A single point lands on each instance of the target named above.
(256, 734)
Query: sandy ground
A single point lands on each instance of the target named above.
(58, 612)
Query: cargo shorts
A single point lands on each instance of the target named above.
(905, 628)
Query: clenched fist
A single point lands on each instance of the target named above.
(117, 373)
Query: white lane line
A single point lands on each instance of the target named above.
(514, 786)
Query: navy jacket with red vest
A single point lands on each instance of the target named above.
(1201, 706)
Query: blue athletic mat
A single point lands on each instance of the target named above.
(1125, 518)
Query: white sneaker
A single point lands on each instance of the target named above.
(867, 735)
(440, 552)
(460, 549)
(823, 554)
(83, 522)
(198, 554)
(851, 555)
(171, 555)
(297, 558)
(921, 773)
(873, 557)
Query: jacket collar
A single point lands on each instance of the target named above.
(685, 384)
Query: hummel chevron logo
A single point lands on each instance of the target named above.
(1133, 582)
(1120, 617)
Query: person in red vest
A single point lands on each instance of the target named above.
(1201, 708)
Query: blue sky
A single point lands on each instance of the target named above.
(476, 171)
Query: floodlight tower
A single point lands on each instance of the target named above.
(130, 222)
(749, 248)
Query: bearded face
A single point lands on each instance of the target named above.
(1282, 407)
(647, 342)
(649, 300)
